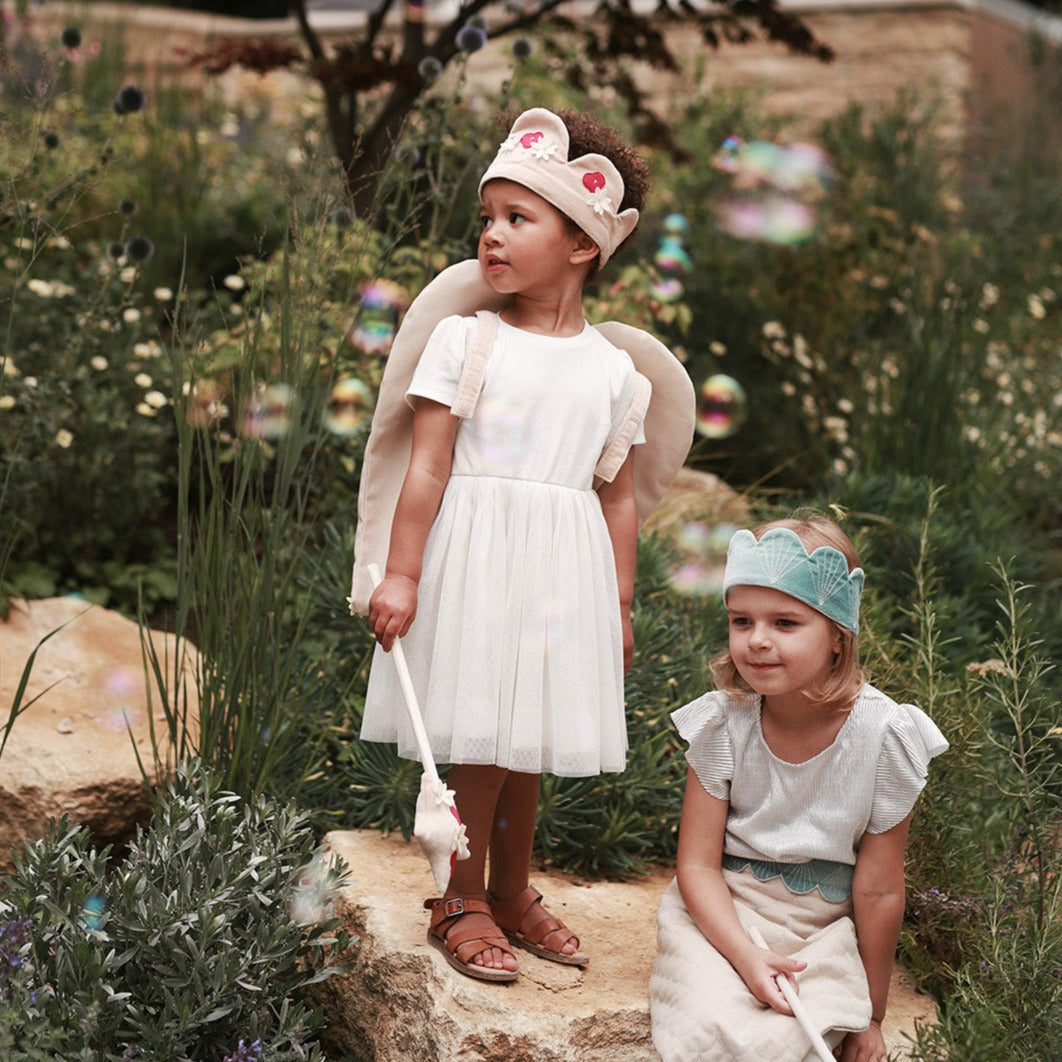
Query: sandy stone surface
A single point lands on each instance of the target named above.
(78, 748)
(404, 1001)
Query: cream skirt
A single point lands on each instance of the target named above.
(701, 1009)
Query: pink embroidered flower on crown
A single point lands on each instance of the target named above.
(592, 182)
(530, 138)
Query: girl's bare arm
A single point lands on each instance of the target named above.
(621, 519)
(708, 900)
(393, 604)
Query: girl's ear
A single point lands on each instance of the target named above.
(583, 249)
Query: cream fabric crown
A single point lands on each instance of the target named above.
(780, 560)
(588, 190)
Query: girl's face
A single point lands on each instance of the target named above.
(779, 645)
(525, 244)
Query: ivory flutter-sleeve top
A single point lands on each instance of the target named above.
(867, 780)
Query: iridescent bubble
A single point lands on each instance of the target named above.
(721, 407)
(772, 219)
(349, 407)
(121, 681)
(672, 257)
(374, 325)
(775, 190)
(701, 549)
(93, 911)
(676, 225)
(120, 720)
(665, 288)
(502, 423)
(267, 413)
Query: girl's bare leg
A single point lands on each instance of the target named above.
(476, 791)
(512, 838)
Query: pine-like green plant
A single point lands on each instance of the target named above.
(203, 934)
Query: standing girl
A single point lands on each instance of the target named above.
(801, 784)
(511, 554)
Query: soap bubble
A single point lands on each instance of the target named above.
(380, 303)
(349, 407)
(775, 191)
(93, 911)
(671, 261)
(701, 557)
(267, 413)
(310, 900)
(721, 407)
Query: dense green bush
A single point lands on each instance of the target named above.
(197, 941)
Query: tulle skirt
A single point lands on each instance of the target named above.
(516, 650)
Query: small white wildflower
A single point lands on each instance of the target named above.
(24, 244)
(61, 290)
(234, 282)
(143, 380)
(163, 294)
(7, 401)
(845, 405)
(128, 274)
(60, 243)
(10, 368)
(295, 156)
(773, 330)
(30, 381)
(980, 325)
(155, 399)
(150, 349)
(98, 362)
(63, 438)
(40, 287)
(989, 296)
(717, 348)
(131, 315)
(145, 410)
(1036, 307)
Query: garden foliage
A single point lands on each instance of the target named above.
(170, 444)
(200, 938)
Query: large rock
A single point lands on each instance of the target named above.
(403, 1001)
(79, 747)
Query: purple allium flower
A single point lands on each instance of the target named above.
(522, 48)
(127, 207)
(139, 249)
(116, 249)
(429, 68)
(129, 100)
(51, 141)
(471, 38)
(70, 37)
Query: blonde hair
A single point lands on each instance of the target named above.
(841, 687)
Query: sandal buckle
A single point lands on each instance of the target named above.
(453, 906)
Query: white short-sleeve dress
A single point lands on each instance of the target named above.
(516, 650)
(792, 837)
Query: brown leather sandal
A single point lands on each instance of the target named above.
(528, 925)
(459, 945)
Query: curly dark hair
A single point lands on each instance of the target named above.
(588, 134)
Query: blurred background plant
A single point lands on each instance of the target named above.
(194, 324)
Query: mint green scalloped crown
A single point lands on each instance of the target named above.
(779, 560)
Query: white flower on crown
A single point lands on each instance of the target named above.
(507, 145)
(544, 149)
(601, 201)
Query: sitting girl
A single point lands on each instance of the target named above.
(801, 784)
